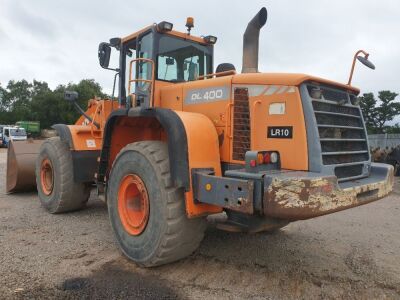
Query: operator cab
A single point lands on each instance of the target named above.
(157, 55)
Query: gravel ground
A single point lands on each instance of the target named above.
(350, 254)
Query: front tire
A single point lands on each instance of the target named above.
(55, 178)
(147, 213)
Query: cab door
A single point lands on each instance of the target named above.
(139, 71)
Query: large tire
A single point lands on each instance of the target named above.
(168, 234)
(57, 190)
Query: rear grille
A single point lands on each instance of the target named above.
(344, 158)
(348, 171)
(327, 119)
(341, 131)
(327, 107)
(330, 94)
(343, 145)
(241, 124)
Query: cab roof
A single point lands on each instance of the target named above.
(180, 34)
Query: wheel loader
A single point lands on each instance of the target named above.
(185, 142)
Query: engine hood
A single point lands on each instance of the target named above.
(290, 79)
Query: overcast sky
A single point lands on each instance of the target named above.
(56, 40)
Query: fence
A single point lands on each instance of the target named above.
(384, 140)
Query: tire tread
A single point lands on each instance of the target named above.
(182, 235)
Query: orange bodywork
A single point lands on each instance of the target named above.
(203, 153)
(85, 136)
(208, 124)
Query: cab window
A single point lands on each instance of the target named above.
(181, 60)
(130, 54)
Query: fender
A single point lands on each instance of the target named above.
(65, 134)
(188, 135)
(84, 160)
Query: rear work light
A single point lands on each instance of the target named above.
(210, 39)
(164, 26)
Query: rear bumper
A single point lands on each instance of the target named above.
(303, 195)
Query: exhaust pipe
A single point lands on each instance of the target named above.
(250, 42)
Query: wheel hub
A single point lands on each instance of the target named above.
(46, 176)
(133, 204)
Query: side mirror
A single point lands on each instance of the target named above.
(104, 54)
(71, 96)
(366, 62)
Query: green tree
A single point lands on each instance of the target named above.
(378, 113)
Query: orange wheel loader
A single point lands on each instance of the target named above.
(185, 142)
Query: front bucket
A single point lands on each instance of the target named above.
(21, 159)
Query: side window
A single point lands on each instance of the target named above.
(6, 132)
(130, 55)
(167, 68)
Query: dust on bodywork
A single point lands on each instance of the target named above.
(297, 198)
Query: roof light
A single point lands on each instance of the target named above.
(210, 39)
(164, 26)
(189, 23)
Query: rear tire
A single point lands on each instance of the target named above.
(55, 178)
(168, 235)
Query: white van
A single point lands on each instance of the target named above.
(14, 134)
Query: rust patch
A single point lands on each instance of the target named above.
(303, 198)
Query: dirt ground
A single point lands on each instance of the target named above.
(350, 254)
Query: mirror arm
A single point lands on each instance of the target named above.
(354, 63)
(115, 80)
(111, 69)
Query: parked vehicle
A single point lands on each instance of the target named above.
(12, 133)
(31, 127)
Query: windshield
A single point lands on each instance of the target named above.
(181, 60)
(18, 132)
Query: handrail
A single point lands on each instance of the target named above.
(150, 81)
(232, 72)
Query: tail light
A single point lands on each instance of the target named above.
(260, 160)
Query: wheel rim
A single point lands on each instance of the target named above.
(46, 176)
(133, 204)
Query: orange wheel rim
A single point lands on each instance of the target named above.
(46, 176)
(133, 204)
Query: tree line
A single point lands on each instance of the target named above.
(379, 112)
(35, 101)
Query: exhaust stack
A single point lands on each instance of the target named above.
(250, 42)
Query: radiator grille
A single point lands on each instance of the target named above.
(241, 124)
(341, 131)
